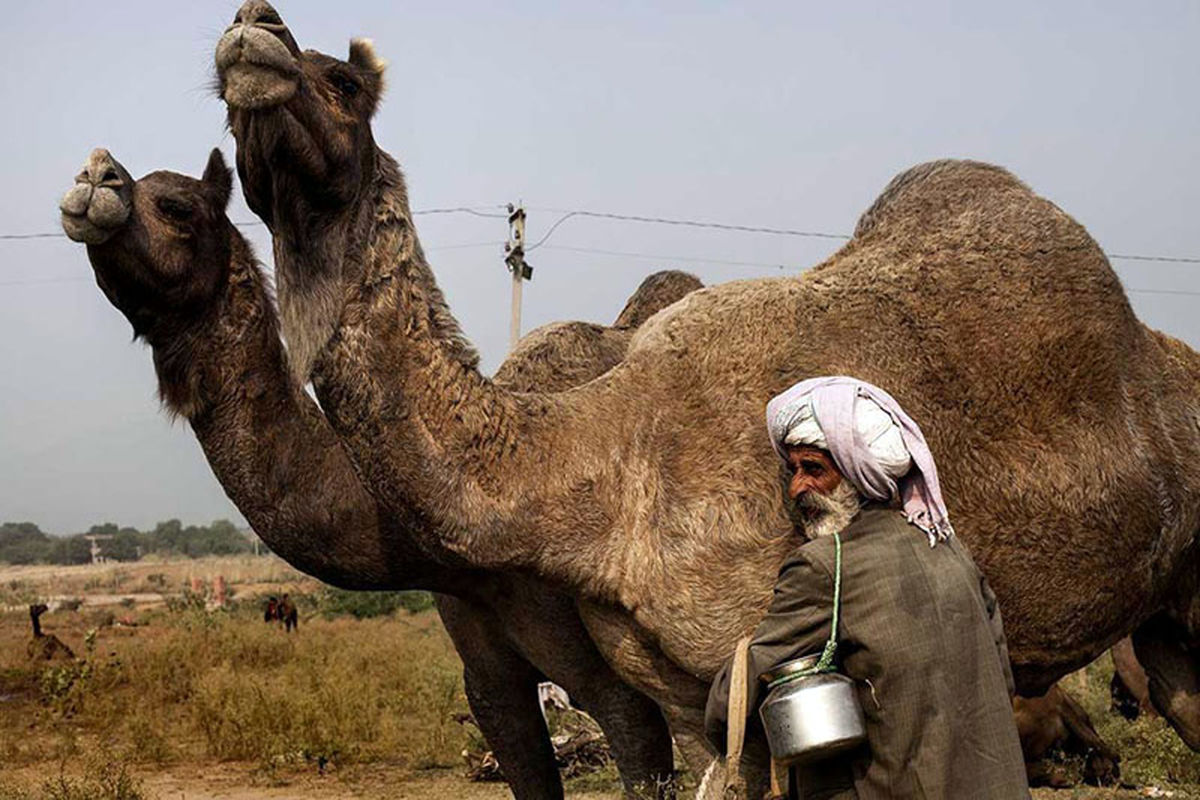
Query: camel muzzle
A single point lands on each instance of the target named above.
(100, 201)
(257, 59)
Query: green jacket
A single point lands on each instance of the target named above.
(921, 636)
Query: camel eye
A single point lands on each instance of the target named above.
(347, 86)
(173, 209)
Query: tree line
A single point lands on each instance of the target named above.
(25, 543)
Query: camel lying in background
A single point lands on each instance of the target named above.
(1066, 432)
(1054, 725)
(44, 646)
(167, 257)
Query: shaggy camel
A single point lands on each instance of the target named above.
(167, 257)
(1066, 430)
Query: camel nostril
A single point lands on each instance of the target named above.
(110, 175)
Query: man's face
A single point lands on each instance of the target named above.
(813, 470)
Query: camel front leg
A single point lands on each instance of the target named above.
(502, 690)
(636, 731)
(1170, 655)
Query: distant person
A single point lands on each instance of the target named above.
(919, 628)
(288, 614)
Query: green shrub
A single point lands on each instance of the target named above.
(334, 602)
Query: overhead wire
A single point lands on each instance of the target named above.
(567, 214)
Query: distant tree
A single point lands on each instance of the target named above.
(23, 543)
(70, 550)
(127, 544)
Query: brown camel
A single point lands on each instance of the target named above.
(547, 357)
(1065, 429)
(45, 646)
(199, 300)
(1054, 725)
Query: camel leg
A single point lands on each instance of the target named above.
(1102, 767)
(1171, 659)
(636, 731)
(501, 689)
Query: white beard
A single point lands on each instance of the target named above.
(827, 514)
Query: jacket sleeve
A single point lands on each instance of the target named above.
(992, 606)
(797, 623)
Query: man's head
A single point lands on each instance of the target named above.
(843, 435)
(825, 500)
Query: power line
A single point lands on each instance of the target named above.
(1165, 259)
(80, 278)
(482, 211)
(1183, 292)
(653, 257)
(686, 223)
(254, 223)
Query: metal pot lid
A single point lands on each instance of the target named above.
(790, 667)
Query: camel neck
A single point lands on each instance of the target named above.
(271, 448)
(401, 385)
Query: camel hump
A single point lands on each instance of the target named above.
(560, 356)
(654, 294)
(917, 186)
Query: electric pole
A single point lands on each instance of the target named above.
(514, 257)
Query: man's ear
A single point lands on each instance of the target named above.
(218, 177)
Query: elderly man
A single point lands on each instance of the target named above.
(919, 630)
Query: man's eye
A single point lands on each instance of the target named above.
(816, 470)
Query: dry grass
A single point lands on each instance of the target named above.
(187, 686)
(368, 704)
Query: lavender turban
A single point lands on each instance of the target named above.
(835, 405)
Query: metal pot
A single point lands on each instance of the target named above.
(811, 717)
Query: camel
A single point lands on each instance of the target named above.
(44, 646)
(1066, 431)
(1056, 724)
(555, 355)
(201, 303)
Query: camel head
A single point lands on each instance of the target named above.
(307, 161)
(160, 246)
(311, 110)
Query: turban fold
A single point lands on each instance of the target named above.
(876, 446)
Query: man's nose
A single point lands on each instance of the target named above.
(797, 486)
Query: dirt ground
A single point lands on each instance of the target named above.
(240, 782)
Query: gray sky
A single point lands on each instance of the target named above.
(783, 114)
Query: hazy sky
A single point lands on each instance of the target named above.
(789, 115)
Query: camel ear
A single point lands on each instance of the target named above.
(218, 177)
(363, 56)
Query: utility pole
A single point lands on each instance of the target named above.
(514, 257)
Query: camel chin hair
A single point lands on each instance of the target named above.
(309, 309)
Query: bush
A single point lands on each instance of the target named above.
(110, 782)
(334, 602)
